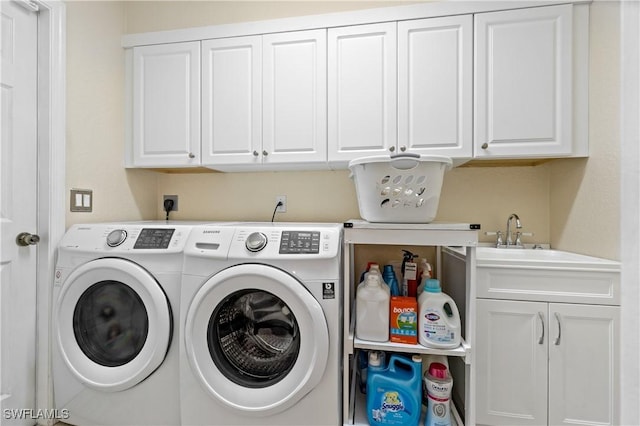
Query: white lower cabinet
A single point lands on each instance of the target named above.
(546, 363)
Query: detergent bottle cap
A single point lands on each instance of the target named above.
(373, 280)
(432, 286)
(438, 370)
(374, 359)
(416, 358)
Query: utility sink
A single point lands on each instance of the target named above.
(543, 275)
(492, 256)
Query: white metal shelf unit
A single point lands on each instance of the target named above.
(433, 234)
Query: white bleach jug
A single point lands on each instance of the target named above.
(372, 309)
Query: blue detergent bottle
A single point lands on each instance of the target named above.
(394, 393)
(389, 276)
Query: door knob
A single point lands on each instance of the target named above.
(26, 239)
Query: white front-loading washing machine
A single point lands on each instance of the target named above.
(116, 297)
(261, 325)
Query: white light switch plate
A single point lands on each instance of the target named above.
(81, 200)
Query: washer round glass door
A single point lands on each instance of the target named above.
(113, 324)
(256, 339)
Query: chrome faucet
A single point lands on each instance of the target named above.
(506, 240)
(518, 226)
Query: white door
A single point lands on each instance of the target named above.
(583, 364)
(361, 91)
(511, 362)
(232, 101)
(18, 183)
(294, 90)
(166, 105)
(435, 64)
(523, 102)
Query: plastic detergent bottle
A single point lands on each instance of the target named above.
(389, 276)
(437, 385)
(372, 310)
(371, 266)
(425, 274)
(394, 393)
(439, 319)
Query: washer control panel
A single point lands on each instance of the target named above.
(154, 238)
(264, 241)
(300, 242)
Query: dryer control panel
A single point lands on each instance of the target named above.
(117, 238)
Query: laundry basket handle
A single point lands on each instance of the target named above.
(405, 155)
(405, 161)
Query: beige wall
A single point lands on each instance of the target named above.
(585, 194)
(557, 201)
(95, 119)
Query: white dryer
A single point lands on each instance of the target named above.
(115, 307)
(261, 324)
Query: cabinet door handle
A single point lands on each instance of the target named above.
(557, 315)
(541, 339)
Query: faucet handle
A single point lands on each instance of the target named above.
(498, 234)
(519, 236)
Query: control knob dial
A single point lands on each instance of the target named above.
(116, 237)
(256, 241)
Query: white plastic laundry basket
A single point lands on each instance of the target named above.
(403, 188)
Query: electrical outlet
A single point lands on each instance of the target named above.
(175, 201)
(281, 199)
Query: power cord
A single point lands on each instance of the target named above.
(168, 206)
(274, 210)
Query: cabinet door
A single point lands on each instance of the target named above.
(435, 86)
(166, 105)
(295, 97)
(511, 362)
(232, 101)
(523, 69)
(583, 364)
(361, 91)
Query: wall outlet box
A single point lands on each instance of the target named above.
(175, 202)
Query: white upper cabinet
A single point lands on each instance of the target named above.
(523, 83)
(264, 101)
(361, 91)
(294, 94)
(232, 101)
(435, 86)
(485, 84)
(166, 105)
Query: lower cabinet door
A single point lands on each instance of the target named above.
(583, 367)
(511, 362)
